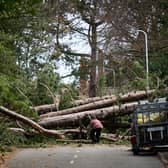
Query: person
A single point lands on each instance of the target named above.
(95, 129)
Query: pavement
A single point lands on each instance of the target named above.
(85, 156)
(164, 158)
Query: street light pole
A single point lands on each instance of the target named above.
(147, 62)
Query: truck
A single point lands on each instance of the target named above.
(149, 126)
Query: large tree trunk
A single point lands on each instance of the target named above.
(83, 77)
(92, 99)
(74, 119)
(42, 109)
(93, 65)
(29, 122)
(132, 96)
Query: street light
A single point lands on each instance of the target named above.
(147, 64)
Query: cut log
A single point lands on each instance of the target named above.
(74, 119)
(132, 96)
(115, 137)
(71, 131)
(109, 138)
(29, 122)
(80, 141)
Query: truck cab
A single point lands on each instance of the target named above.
(150, 125)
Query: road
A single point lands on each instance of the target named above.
(95, 156)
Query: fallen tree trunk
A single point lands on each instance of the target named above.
(42, 109)
(92, 99)
(115, 137)
(116, 125)
(132, 96)
(109, 138)
(29, 122)
(19, 131)
(74, 119)
(80, 141)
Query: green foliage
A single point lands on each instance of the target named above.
(159, 64)
(70, 94)
(7, 138)
(11, 98)
(16, 8)
(45, 86)
(164, 15)
(7, 55)
(138, 83)
(28, 54)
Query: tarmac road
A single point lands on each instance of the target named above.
(86, 156)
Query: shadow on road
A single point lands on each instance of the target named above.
(151, 152)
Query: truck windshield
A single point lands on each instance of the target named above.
(152, 117)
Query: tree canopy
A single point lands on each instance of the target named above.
(93, 38)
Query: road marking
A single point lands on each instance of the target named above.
(71, 162)
(75, 156)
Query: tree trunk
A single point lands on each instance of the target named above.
(29, 122)
(83, 77)
(92, 82)
(92, 99)
(115, 125)
(132, 96)
(74, 119)
(42, 109)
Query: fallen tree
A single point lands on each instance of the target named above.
(30, 123)
(132, 96)
(42, 109)
(74, 119)
(92, 99)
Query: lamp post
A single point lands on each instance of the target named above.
(147, 62)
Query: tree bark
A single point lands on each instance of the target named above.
(92, 82)
(74, 119)
(29, 122)
(115, 125)
(42, 109)
(19, 131)
(132, 96)
(92, 99)
(83, 77)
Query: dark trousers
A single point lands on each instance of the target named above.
(95, 135)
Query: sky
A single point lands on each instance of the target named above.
(78, 46)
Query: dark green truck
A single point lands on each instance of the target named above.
(150, 125)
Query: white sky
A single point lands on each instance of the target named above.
(78, 46)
